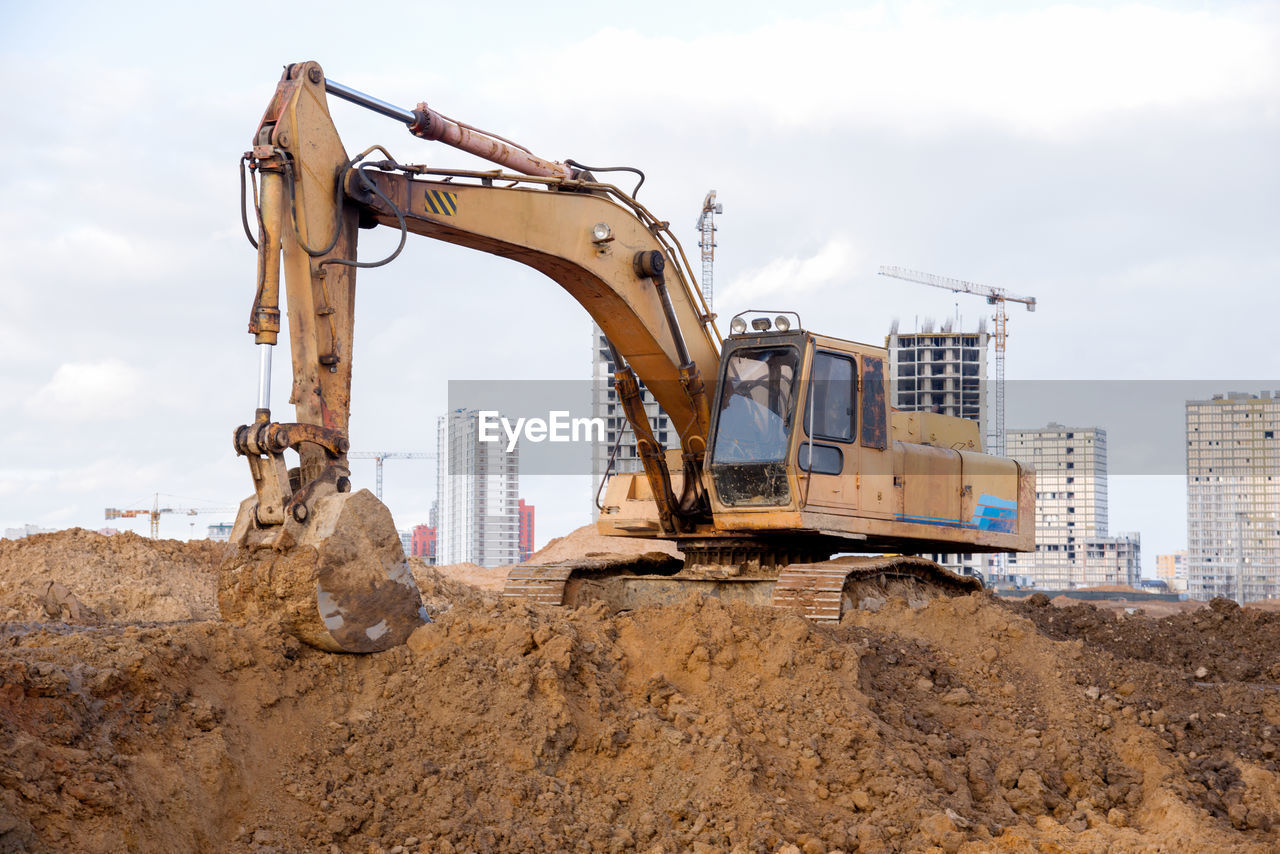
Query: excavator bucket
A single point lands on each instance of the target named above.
(338, 581)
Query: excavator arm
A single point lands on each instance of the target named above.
(595, 241)
(604, 248)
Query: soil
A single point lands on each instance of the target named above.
(967, 724)
(124, 578)
(482, 577)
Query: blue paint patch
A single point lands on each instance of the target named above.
(932, 520)
(995, 514)
(992, 514)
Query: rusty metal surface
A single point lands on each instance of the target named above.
(747, 556)
(628, 592)
(874, 413)
(811, 589)
(571, 583)
(271, 437)
(433, 126)
(577, 584)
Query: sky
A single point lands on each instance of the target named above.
(1116, 161)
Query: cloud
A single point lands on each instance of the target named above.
(88, 391)
(923, 67)
(833, 263)
(74, 492)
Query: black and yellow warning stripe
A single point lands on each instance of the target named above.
(441, 203)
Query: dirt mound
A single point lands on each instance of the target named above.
(442, 587)
(1118, 605)
(1227, 642)
(483, 577)
(581, 543)
(963, 725)
(585, 542)
(124, 577)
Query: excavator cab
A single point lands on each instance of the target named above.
(807, 459)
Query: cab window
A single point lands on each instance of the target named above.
(756, 405)
(834, 390)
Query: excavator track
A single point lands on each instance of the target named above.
(822, 591)
(606, 577)
(541, 585)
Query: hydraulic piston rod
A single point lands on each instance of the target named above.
(369, 102)
(426, 123)
(264, 376)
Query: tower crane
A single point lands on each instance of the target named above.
(155, 510)
(994, 296)
(379, 456)
(707, 241)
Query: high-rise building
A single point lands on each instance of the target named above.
(605, 406)
(477, 486)
(423, 544)
(221, 532)
(1172, 570)
(944, 372)
(526, 530)
(1233, 497)
(1072, 546)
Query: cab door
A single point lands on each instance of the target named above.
(876, 494)
(827, 452)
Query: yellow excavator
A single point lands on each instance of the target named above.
(789, 452)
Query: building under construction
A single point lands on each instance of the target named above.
(943, 370)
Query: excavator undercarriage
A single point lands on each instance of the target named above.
(823, 591)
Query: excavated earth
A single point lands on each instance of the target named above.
(966, 725)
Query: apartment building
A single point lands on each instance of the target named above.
(1233, 496)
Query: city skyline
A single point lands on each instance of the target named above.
(1135, 200)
